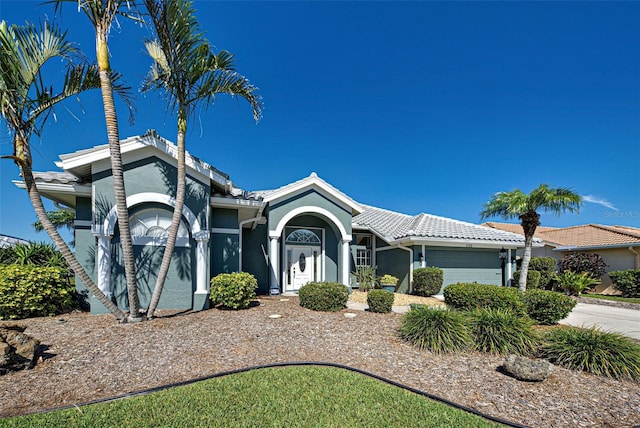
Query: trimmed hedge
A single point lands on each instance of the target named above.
(470, 296)
(33, 291)
(546, 266)
(233, 290)
(548, 307)
(324, 296)
(533, 279)
(380, 301)
(427, 281)
(627, 282)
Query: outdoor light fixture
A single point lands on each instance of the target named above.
(503, 257)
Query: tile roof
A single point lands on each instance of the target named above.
(588, 235)
(56, 177)
(394, 226)
(7, 241)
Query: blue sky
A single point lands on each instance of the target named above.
(409, 106)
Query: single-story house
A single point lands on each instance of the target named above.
(619, 246)
(304, 231)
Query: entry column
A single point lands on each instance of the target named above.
(346, 265)
(103, 256)
(274, 265)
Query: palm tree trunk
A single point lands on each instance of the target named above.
(118, 177)
(177, 216)
(36, 201)
(529, 221)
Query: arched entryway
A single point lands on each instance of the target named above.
(303, 250)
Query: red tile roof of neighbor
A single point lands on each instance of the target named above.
(588, 235)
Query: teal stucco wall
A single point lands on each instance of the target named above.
(150, 175)
(466, 264)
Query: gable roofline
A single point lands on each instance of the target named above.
(307, 183)
(79, 162)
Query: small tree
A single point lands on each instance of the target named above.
(590, 263)
(517, 204)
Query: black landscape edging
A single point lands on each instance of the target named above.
(293, 364)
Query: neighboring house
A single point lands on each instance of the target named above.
(304, 231)
(8, 241)
(619, 246)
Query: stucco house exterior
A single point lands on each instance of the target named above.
(619, 246)
(303, 231)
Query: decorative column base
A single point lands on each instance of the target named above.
(200, 301)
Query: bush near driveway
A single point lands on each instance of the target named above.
(470, 296)
(548, 307)
(594, 351)
(627, 282)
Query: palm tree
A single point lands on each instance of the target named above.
(25, 104)
(514, 204)
(189, 74)
(59, 218)
(101, 14)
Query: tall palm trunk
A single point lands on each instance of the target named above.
(530, 220)
(24, 163)
(102, 53)
(177, 214)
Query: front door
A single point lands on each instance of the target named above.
(301, 265)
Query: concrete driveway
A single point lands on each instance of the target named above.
(607, 318)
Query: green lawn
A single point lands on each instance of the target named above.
(614, 298)
(304, 396)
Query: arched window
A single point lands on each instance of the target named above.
(303, 236)
(150, 226)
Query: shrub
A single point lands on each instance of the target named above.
(233, 290)
(627, 282)
(591, 263)
(427, 281)
(33, 291)
(380, 301)
(573, 282)
(388, 280)
(593, 351)
(533, 279)
(501, 332)
(365, 276)
(324, 296)
(546, 266)
(548, 307)
(33, 254)
(470, 296)
(436, 329)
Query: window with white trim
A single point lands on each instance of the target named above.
(150, 226)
